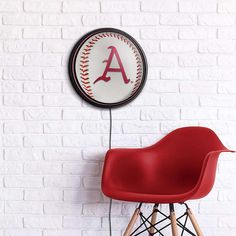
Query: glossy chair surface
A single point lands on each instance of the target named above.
(179, 167)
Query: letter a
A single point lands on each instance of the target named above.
(121, 70)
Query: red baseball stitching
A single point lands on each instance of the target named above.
(84, 74)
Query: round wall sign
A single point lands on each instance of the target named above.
(107, 67)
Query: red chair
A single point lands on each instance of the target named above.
(180, 167)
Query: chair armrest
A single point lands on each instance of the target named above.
(208, 172)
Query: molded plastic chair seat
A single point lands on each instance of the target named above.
(179, 167)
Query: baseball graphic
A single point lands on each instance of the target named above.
(107, 67)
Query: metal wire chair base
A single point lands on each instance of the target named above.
(153, 229)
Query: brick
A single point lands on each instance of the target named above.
(197, 32)
(140, 19)
(198, 114)
(46, 32)
(160, 6)
(214, 207)
(63, 208)
(227, 60)
(78, 168)
(197, 6)
(55, 73)
(123, 113)
(42, 221)
(62, 127)
(23, 207)
(42, 60)
(21, 19)
(11, 140)
(216, 46)
(42, 168)
(189, 100)
(11, 194)
(11, 221)
(23, 181)
(92, 183)
(100, 232)
(179, 74)
(150, 45)
(121, 6)
(179, 46)
(169, 126)
(227, 87)
(80, 114)
(13, 6)
(217, 101)
(42, 141)
(100, 209)
(42, 6)
(52, 86)
(8, 168)
(11, 87)
(147, 98)
(18, 127)
(107, 19)
(85, 196)
(58, 181)
(42, 113)
(123, 140)
(64, 154)
(23, 232)
(216, 20)
(77, 222)
(159, 32)
(227, 33)
(198, 87)
(33, 87)
(22, 46)
(81, 6)
(63, 232)
(74, 32)
(18, 154)
(54, 46)
(10, 60)
(226, 114)
(22, 73)
(159, 114)
(10, 32)
(178, 19)
(93, 154)
(197, 60)
(100, 127)
(81, 140)
(61, 100)
(162, 60)
(23, 100)
(140, 128)
(217, 74)
(227, 6)
(45, 194)
(61, 19)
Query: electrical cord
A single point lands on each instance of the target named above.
(110, 203)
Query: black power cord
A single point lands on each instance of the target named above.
(110, 204)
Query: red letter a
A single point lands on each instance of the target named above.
(109, 69)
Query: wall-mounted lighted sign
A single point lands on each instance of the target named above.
(107, 67)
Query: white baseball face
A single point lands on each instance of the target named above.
(108, 67)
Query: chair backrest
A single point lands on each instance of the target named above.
(185, 148)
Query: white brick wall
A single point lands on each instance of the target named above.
(52, 144)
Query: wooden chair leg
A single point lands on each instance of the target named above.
(132, 221)
(194, 223)
(153, 219)
(173, 221)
